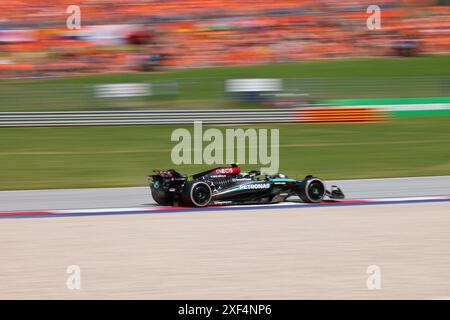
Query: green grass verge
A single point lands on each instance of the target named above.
(32, 158)
(438, 65)
(204, 88)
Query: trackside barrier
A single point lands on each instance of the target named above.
(11, 119)
(341, 115)
(314, 114)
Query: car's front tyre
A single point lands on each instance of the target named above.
(312, 190)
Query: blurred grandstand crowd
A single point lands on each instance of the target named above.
(129, 35)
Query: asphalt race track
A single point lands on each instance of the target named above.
(140, 196)
(297, 252)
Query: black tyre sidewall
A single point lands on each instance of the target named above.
(187, 194)
(161, 197)
(304, 194)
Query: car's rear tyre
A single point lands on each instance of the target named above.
(312, 190)
(196, 193)
(162, 197)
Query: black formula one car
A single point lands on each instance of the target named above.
(228, 186)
